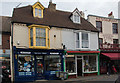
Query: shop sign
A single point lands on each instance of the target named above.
(52, 72)
(39, 52)
(25, 52)
(105, 19)
(53, 53)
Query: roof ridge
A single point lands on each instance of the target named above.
(23, 7)
(6, 16)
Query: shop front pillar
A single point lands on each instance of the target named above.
(99, 64)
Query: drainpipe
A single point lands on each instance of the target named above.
(12, 56)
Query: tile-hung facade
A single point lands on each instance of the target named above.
(5, 41)
(108, 39)
(43, 35)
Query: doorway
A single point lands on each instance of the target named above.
(39, 67)
(79, 67)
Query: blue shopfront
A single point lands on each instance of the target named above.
(37, 64)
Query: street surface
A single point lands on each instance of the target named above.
(87, 79)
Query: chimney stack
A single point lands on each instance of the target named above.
(52, 6)
(110, 15)
(82, 14)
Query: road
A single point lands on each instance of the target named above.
(88, 79)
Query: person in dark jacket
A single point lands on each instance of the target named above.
(109, 67)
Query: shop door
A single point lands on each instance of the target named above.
(40, 68)
(79, 67)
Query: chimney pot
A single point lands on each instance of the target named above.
(52, 6)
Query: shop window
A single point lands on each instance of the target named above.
(85, 40)
(70, 65)
(115, 28)
(52, 62)
(90, 63)
(77, 40)
(25, 64)
(39, 36)
(99, 25)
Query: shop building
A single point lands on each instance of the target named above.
(82, 54)
(108, 40)
(42, 36)
(34, 56)
(5, 33)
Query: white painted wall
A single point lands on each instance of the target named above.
(55, 42)
(68, 39)
(21, 35)
(93, 40)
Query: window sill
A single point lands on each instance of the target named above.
(91, 72)
(72, 73)
(39, 47)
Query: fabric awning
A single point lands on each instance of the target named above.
(112, 56)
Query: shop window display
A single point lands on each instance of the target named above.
(90, 63)
(25, 64)
(70, 65)
(52, 62)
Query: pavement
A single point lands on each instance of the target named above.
(87, 79)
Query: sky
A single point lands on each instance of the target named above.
(89, 7)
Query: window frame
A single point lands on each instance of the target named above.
(115, 28)
(99, 27)
(80, 40)
(88, 61)
(115, 41)
(100, 39)
(88, 40)
(36, 12)
(76, 17)
(47, 40)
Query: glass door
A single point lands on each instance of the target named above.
(40, 67)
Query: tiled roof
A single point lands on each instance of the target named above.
(55, 18)
(5, 24)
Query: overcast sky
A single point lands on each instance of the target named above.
(94, 7)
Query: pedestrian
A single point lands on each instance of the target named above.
(109, 67)
(114, 69)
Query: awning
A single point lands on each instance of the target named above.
(112, 56)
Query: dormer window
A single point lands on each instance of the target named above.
(76, 16)
(38, 10)
(76, 19)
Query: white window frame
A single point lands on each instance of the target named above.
(0, 38)
(96, 64)
(75, 21)
(74, 67)
(88, 40)
(80, 40)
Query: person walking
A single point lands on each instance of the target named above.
(109, 67)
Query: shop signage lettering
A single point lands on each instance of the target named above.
(40, 53)
(52, 72)
(105, 19)
(53, 53)
(25, 52)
